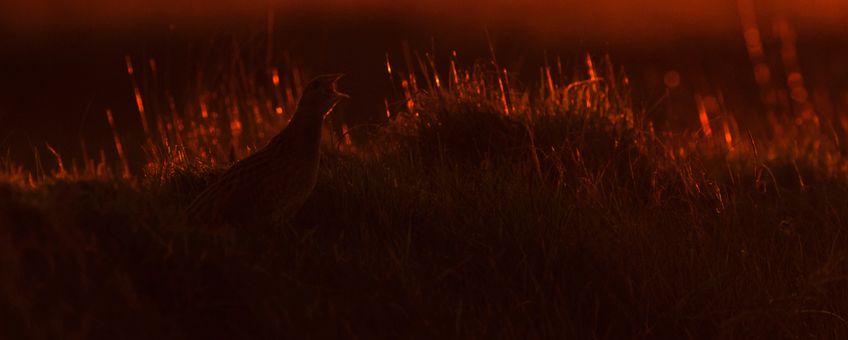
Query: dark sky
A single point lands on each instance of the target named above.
(607, 19)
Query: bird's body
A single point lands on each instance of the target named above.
(272, 183)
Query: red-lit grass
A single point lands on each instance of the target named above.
(478, 209)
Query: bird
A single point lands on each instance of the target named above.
(271, 184)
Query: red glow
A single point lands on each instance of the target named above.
(616, 18)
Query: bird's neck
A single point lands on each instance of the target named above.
(306, 125)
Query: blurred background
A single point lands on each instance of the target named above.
(598, 19)
(64, 63)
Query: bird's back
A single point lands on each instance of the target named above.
(269, 185)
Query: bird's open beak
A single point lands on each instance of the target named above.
(334, 86)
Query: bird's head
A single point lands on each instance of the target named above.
(321, 94)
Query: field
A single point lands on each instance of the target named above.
(480, 206)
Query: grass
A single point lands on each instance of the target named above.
(479, 209)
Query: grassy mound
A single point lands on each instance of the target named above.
(472, 216)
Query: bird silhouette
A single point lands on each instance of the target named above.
(272, 184)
